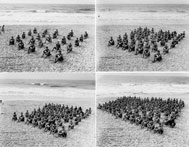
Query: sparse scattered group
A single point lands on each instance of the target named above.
(40, 39)
(54, 118)
(145, 41)
(151, 113)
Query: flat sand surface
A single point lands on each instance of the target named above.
(13, 134)
(113, 59)
(50, 14)
(113, 132)
(79, 60)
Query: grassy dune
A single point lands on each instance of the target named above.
(81, 59)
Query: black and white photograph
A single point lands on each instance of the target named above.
(142, 35)
(94, 73)
(47, 36)
(47, 110)
(142, 110)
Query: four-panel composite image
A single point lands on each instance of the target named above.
(94, 73)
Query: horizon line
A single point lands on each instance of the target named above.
(143, 4)
(103, 3)
(48, 79)
(52, 3)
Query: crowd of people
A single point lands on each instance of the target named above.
(145, 41)
(41, 40)
(56, 118)
(151, 113)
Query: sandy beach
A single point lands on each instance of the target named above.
(81, 59)
(19, 134)
(124, 18)
(19, 18)
(113, 59)
(21, 97)
(117, 133)
(49, 14)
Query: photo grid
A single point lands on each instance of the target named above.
(94, 73)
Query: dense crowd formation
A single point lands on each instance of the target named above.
(55, 118)
(41, 40)
(151, 113)
(145, 41)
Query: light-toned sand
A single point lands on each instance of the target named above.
(45, 18)
(141, 15)
(80, 60)
(13, 134)
(113, 132)
(24, 14)
(113, 59)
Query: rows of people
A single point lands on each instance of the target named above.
(151, 113)
(54, 118)
(144, 41)
(40, 42)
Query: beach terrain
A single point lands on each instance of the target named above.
(80, 59)
(20, 97)
(118, 133)
(49, 14)
(22, 18)
(115, 20)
